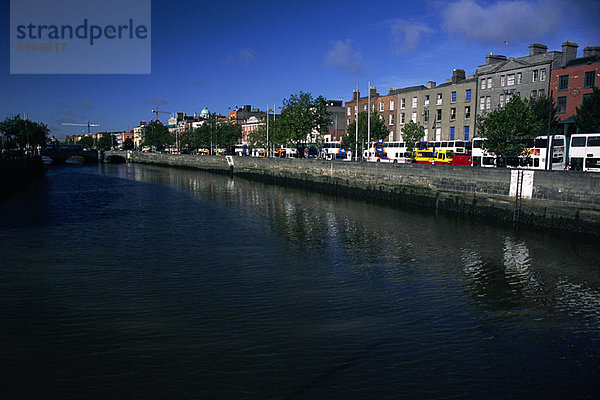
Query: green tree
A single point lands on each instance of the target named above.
(107, 141)
(412, 133)
(379, 130)
(544, 109)
(23, 133)
(505, 127)
(228, 134)
(587, 117)
(86, 142)
(201, 137)
(128, 144)
(303, 120)
(157, 135)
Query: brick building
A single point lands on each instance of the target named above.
(572, 82)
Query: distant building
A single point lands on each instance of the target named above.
(573, 82)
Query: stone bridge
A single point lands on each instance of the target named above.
(60, 153)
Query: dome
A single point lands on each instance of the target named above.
(204, 111)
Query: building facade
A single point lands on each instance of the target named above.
(445, 110)
(572, 83)
(384, 105)
(529, 77)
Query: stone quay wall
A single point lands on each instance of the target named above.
(559, 200)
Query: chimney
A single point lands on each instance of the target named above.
(373, 92)
(569, 52)
(492, 58)
(355, 95)
(591, 51)
(537, 48)
(430, 85)
(458, 75)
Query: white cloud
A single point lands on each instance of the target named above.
(244, 56)
(407, 36)
(342, 55)
(503, 20)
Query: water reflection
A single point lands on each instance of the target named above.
(502, 272)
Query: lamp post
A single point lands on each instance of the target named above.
(356, 123)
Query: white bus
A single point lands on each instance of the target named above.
(393, 152)
(584, 152)
(335, 151)
(533, 157)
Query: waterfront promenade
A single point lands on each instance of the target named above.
(565, 201)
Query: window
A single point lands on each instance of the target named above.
(468, 95)
(439, 99)
(482, 103)
(489, 83)
(373, 107)
(381, 106)
(519, 78)
(426, 115)
(589, 79)
(541, 93)
(426, 99)
(402, 118)
(466, 131)
(533, 94)
(467, 112)
(563, 82)
(501, 100)
(349, 110)
(426, 135)
(414, 102)
(542, 75)
(503, 80)
(413, 117)
(438, 134)
(348, 121)
(578, 142)
(392, 103)
(510, 79)
(403, 103)
(586, 96)
(453, 97)
(453, 114)
(561, 105)
(438, 117)
(593, 141)
(364, 107)
(535, 75)
(488, 102)
(482, 84)
(451, 133)
(391, 122)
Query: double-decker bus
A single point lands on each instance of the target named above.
(394, 152)
(584, 152)
(533, 157)
(335, 151)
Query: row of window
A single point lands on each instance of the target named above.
(413, 104)
(589, 80)
(438, 133)
(513, 79)
(561, 102)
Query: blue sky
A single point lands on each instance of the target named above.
(226, 54)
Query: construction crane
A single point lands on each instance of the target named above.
(155, 111)
(88, 125)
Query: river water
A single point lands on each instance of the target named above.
(140, 282)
